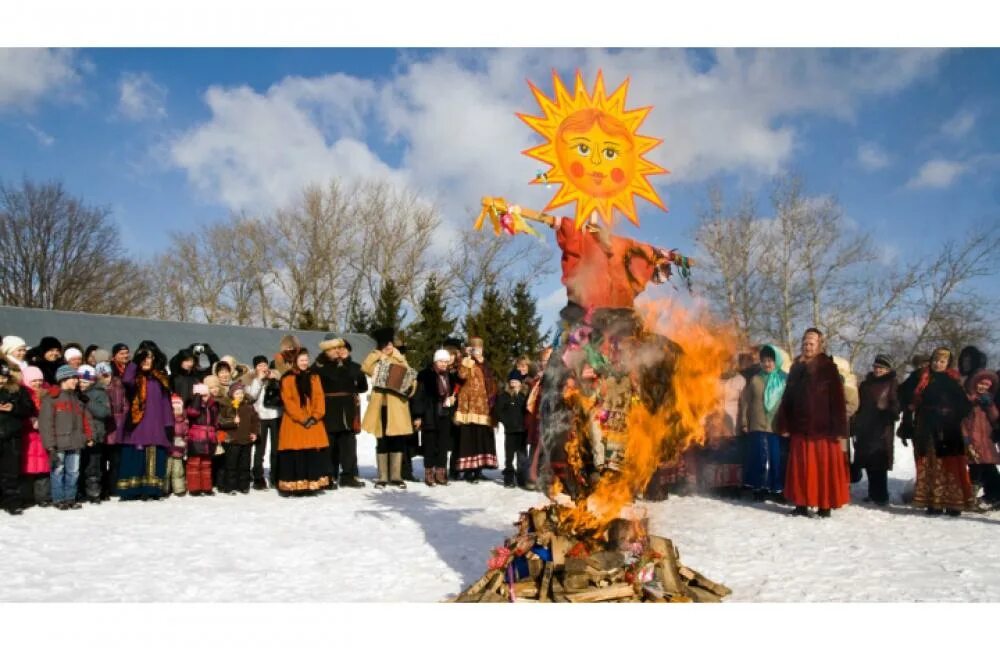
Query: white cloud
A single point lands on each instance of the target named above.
(937, 174)
(29, 74)
(960, 124)
(44, 138)
(872, 157)
(140, 98)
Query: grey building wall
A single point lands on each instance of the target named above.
(103, 330)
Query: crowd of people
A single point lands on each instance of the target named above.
(801, 437)
(87, 424)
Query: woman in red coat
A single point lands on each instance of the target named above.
(813, 413)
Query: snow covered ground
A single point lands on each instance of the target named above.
(425, 544)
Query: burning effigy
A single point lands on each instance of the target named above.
(630, 381)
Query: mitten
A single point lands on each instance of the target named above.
(308, 423)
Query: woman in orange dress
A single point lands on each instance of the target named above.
(303, 456)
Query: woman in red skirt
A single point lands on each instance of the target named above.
(813, 414)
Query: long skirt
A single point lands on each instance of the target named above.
(943, 482)
(141, 471)
(477, 447)
(303, 470)
(817, 473)
(764, 462)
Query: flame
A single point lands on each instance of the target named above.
(663, 434)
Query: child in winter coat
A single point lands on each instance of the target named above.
(15, 407)
(94, 396)
(239, 421)
(174, 482)
(65, 430)
(34, 459)
(510, 408)
(203, 418)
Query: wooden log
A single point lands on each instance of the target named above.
(476, 588)
(606, 560)
(525, 589)
(701, 581)
(667, 568)
(576, 565)
(560, 546)
(543, 589)
(540, 518)
(703, 595)
(686, 573)
(490, 594)
(535, 565)
(601, 595)
(558, 591)
(576, 582)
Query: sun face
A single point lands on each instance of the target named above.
(593, 150)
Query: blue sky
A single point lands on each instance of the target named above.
(170, 138)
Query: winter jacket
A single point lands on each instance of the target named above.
(510, 411)
(752, 416)
(397, 408)
(939, 412)
(256, 390)
(99, 408)
(63, 422)
(476, 395)
(179, 444)
(342, 383)
(12, 422)
(872, 426)
(427, 404)
(978, 425)
(203, 410)
(198, 372)
(119, 410)
(293, 434)
(249, 424)
(813, 403)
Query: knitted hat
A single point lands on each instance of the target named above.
(236, 386)
(442, 355)
(175, 400)
(103, 369)
(259, 359)
(884, 360)
(86, 373)
(31, 373)
(331, 341)
(48, 343)
(73, 353)
(118, 347)
(65, 372)
(11, 343)
(515, 374)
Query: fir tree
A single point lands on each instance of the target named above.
(492, 322)
(432, 326)
(389, 308)
(359, 319)
(307, 321)
(526, 337)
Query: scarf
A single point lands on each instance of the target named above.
(442, 385)
(138, 407)
(925, 380)
(303, 384)
(774, 384)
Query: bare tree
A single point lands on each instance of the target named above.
(60, 253)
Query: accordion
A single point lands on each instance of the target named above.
(394, 377)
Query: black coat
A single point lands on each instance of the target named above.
(345, 378)
(427, 405)
(510, 411)
(872, 426)
(12, 422)
(939, 415)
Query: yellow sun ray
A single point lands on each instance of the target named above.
(593, 149)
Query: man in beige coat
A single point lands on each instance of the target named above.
(388, 414)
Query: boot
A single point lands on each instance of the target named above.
(382, 460)
(396, 469)
(407, 468)
(429, 476)
(441, 476)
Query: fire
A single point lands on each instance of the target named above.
(665, 432)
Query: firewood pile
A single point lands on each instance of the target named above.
(542, 564)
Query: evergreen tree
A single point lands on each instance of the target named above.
(359, 319)
(526, 338)
(432, 326)
(389, 308)
(307, 321)
(492, 322)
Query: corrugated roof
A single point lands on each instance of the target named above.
(106, 330)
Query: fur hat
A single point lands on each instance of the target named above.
(383, 336)
(73, 353)
(290, 341)
(212, 382)
(978, 376)
(103, 369)
(11, 343)
(236, 386)
(259, 359)
(48, 343)
(31, 373)
(442, 355)
(65, 372)
(330, 342)
(515, 374)
(86, 373)
(884, 360)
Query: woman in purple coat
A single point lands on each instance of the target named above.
(146, 439)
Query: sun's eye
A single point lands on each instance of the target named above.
(583, 149)
(610, 154)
